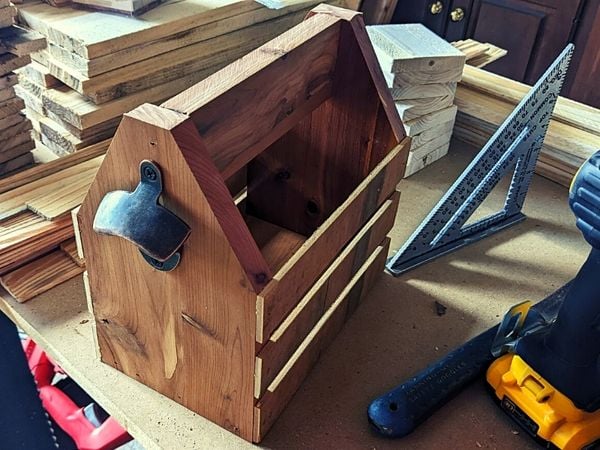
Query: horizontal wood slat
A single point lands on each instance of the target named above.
(292, 281)
(287, 382)
(288, 336)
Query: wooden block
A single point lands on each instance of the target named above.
(293, 280)
(287, 382)
(412, 48)
(290, 334)
(42, 154)
(413, 109)
(432, 133)
(20, 42)
(430, 146)
(420, 124)
(419, 91)
(416, 163)
(40, 276)
(10, 62)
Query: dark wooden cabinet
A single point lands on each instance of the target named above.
(533, 31)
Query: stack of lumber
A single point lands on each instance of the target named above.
(479, 54)
(15, 130)
(485, 100)
(37, 247)
(99, 65)
(422, 71)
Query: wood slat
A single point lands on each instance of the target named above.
(292, 281)
(287, 382)
(289, 335)
(70, 249)
(40, 276)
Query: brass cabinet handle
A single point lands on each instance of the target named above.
(457, 14)
(436, 7)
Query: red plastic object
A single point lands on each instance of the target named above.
(65, 412)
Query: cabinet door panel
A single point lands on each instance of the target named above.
(533, 31)
(515, 29)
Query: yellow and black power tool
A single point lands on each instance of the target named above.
(542, 361)
(550, 380)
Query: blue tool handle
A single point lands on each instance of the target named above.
(401, 410)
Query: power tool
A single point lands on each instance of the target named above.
(549, 378)
(550, 381)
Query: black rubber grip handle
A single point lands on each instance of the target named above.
(401, 410)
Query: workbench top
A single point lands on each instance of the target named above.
(393, 334)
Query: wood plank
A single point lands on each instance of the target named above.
(20, 42)
(418, 160)
(10, 107)
(15, 200)
(293, 280)
(131, 7)
(428, 121)
(412, 48)
(10, 62)
(418, 91)
(94, 34)
(378, 11)
(62, 199)
(178, 63)
(70, 249)
(26, 227)
(8, 80)
(116, 59)
(17, 151)
(566, 111)
(32, 176)
(10, 121)
(40, 276)
(290, 334)
(413, 109)
(6, 134)
(39, 74)
(431, 134)
(6, 94)
(295, 371)
(16, 140)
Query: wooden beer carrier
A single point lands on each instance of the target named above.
(220, 301)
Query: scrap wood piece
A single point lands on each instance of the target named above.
(10, 107)
(71, 250)
(40, 275)
(129, 7)
(62, 199)
(32, 176)
(32, 248)
(16, 200)
(10, 166)
(26, 226)
(20, 42)
(479, 54)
